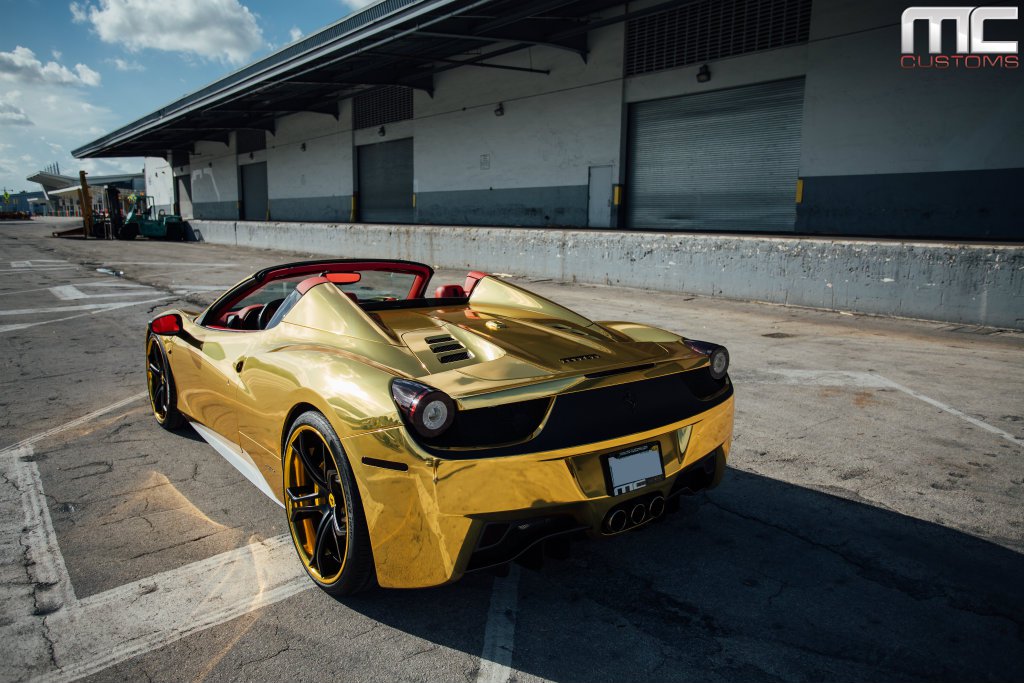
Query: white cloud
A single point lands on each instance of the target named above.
(87, 75)
(353, 5)
(13, 115)
(57, 54)
(295, 33)
(213, 29)
(125, 65)
(78, 13)
(22, 66)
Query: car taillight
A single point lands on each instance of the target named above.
(429, 411)
(166, 324)
(718, 356)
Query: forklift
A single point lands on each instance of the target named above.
(141, 221)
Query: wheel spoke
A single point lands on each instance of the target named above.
(155, 370)
(303, 494)
(324, 456)
(322, 531)
(305, 512)
(311, 469)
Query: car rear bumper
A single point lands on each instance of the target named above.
(431, 520)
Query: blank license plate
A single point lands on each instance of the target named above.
(635, 469)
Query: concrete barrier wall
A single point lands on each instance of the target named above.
(961, 283)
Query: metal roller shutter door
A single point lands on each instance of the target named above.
(385, 182)
(254, 191)
(718, 161)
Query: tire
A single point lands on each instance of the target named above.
(163, 396)
(319, 487)
(127, 232)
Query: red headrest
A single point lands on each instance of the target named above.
(471, 280)
(449, 291)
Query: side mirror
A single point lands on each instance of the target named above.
(169, 323)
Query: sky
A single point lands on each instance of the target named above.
(71, 72)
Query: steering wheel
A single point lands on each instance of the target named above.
(267, 313)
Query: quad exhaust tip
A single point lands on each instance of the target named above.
(638, 514)
(616, 521)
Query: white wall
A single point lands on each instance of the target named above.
(159, 182)
(555, 126)
(323, 169)
(214, 169)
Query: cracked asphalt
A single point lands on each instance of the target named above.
(862, 532)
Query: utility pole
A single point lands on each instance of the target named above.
(86, 204)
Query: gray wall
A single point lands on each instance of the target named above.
(971, 284)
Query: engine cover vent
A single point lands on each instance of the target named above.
(445, 344)
(580, 359)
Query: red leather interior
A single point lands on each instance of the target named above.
(449, 291)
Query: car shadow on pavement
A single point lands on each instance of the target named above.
(765, 581)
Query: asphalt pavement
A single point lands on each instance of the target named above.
(870, 527)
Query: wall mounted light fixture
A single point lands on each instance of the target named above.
(703, 74)
(381, 132)
(500, 110)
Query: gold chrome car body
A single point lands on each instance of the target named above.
(428, 505)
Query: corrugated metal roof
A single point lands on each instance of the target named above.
(393, 42)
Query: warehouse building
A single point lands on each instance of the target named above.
(60, 194)
(658, 122)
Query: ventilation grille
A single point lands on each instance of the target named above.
(382, 105)
(443, 347)
(712, 29)
(580, 359)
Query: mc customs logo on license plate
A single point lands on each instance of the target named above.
(634, 469)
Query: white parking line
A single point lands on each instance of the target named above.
(500, 630)
(91, 309)
(72, 293)
(865, 380)
(125, 622)
(68, 293)
(39, 269)
(166, 263)
(25, 443)
(83, 637)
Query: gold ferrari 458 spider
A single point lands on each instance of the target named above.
(412, 439)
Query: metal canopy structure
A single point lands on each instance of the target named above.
(391, 43)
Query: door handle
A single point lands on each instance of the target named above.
(239, 364)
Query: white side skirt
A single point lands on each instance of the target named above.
(238, 458)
